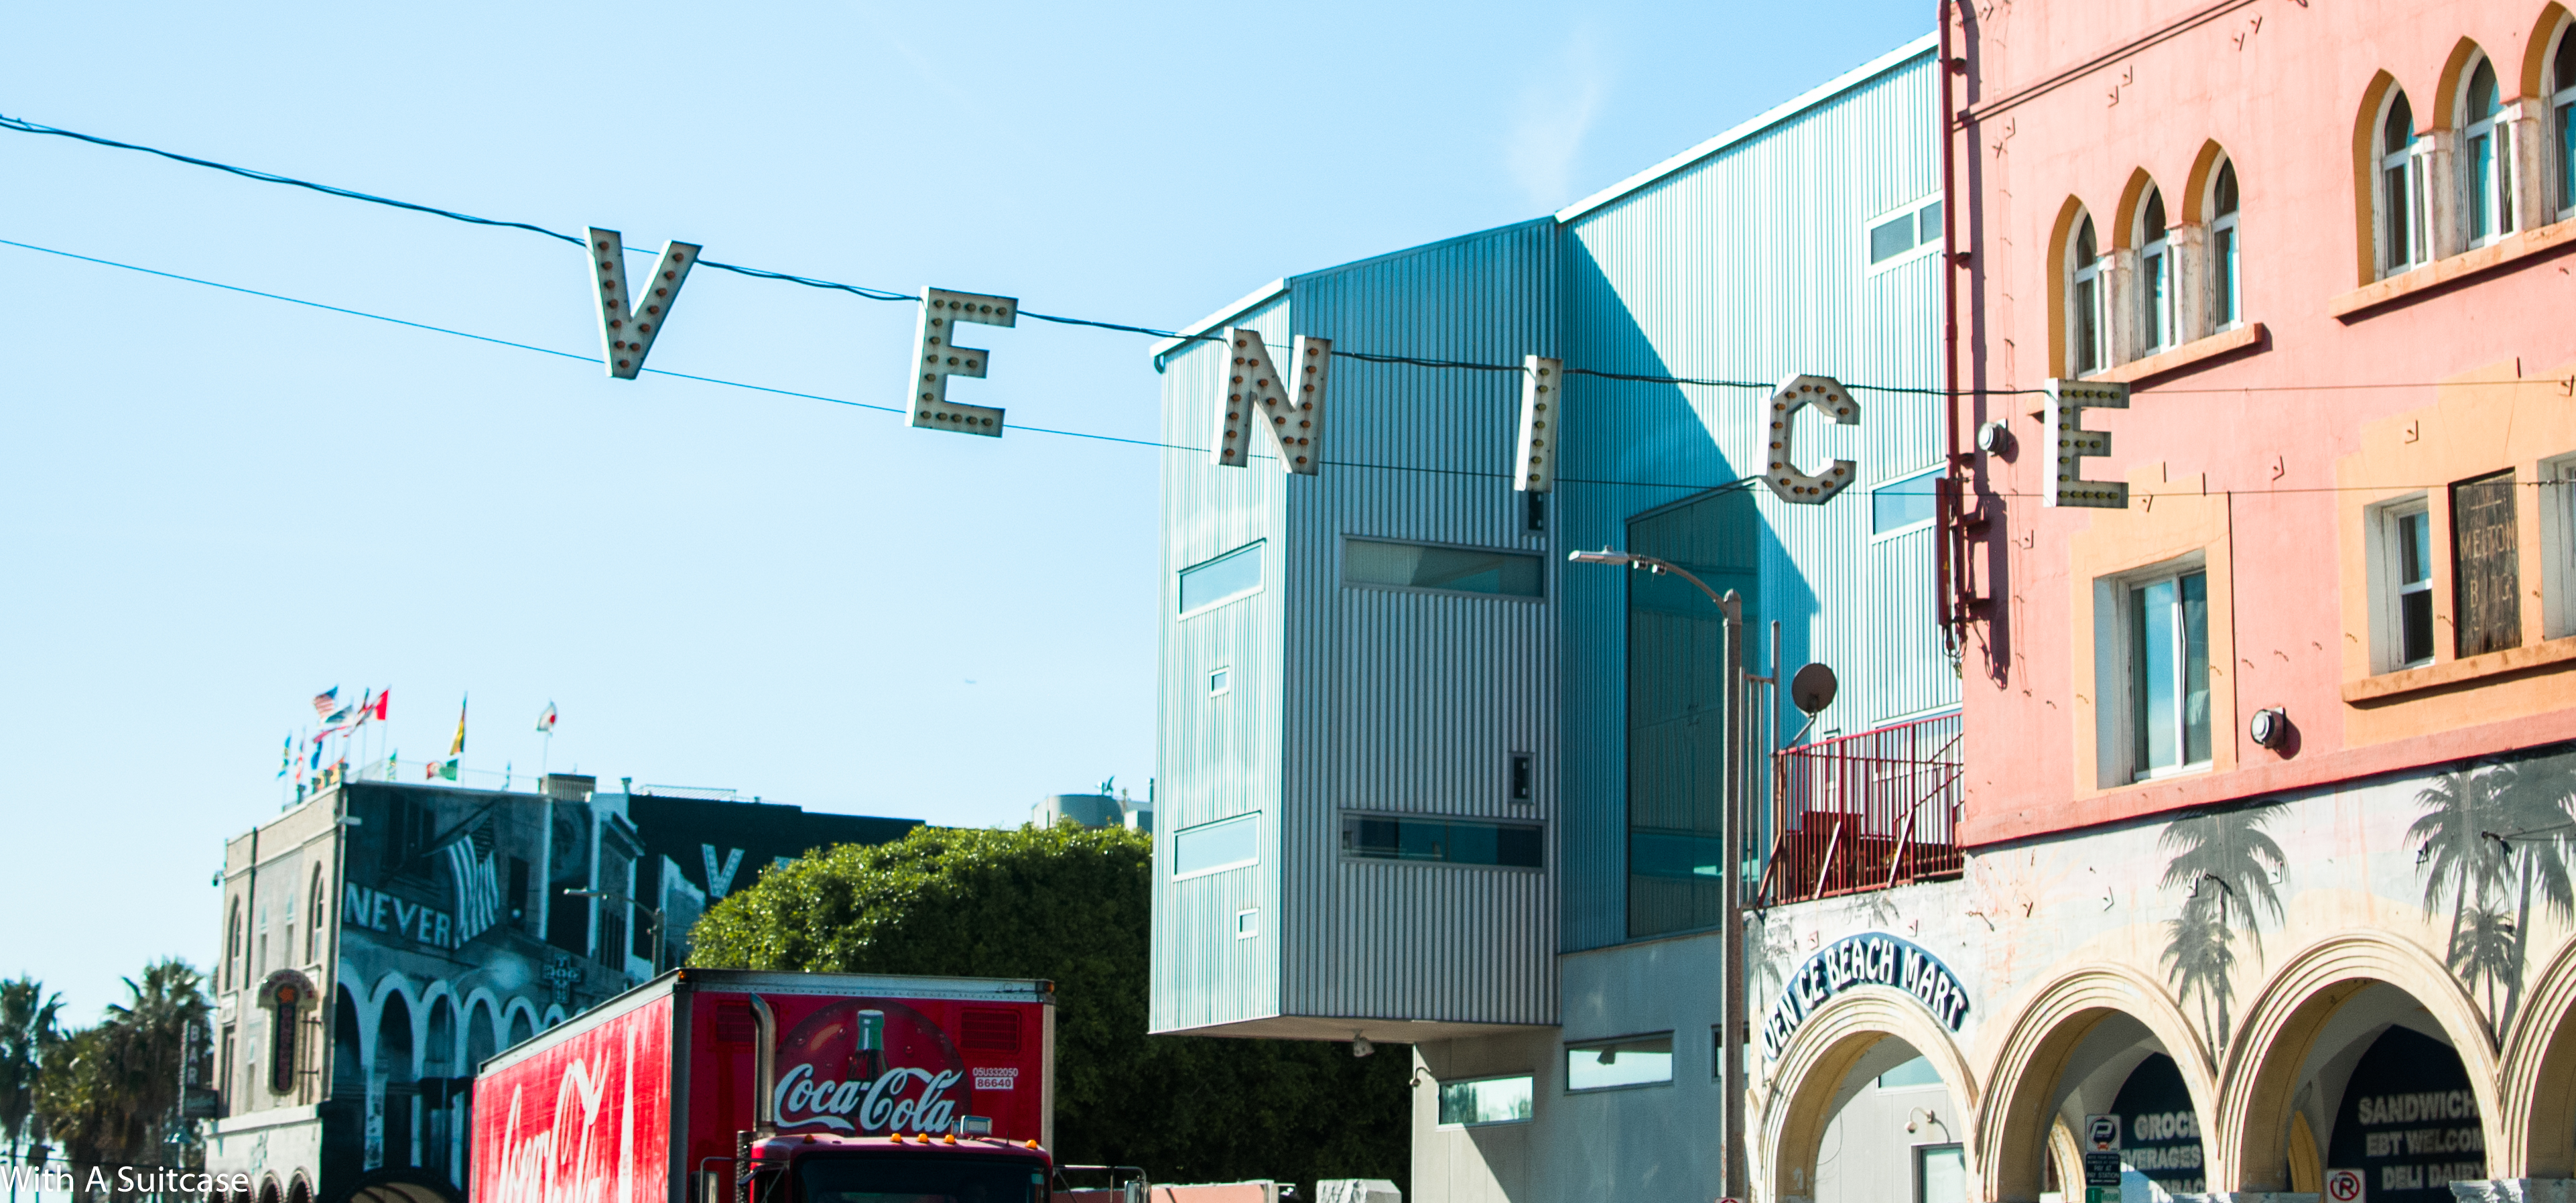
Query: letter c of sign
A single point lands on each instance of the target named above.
(1792, 484)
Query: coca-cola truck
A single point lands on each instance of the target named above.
(730, 1086)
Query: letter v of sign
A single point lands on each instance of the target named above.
(628, 323)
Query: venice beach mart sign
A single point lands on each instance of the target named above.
(1864, 960)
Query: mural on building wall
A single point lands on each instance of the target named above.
(2229, 870)
(2493, 839)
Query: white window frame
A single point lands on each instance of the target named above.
(2226, 253)
(2155, 281)
(1220, 680)
(2116, 721)
(2400, 250)
(2088, 293)
(2558, 547)
(2387, 581)
(2562, 113)
(1912, 212)
(2486, 139)
(1878, 536)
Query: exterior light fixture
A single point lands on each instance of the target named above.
(937, 355)
(1360, 1046)
(2269, 728)
(628, 324)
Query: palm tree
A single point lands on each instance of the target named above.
(111, 1093)
(28, 1027)
(2227, 863)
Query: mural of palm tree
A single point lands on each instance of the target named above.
(2487, 832)
(2230, 868)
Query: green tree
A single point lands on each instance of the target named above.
(28, 1028)
(110, 1093)
(1072, 906)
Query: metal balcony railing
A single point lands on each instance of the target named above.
(1865, 812)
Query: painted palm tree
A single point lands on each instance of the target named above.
(2483, 948)
(2231, 869)
(2457, 862)
(2488, 834)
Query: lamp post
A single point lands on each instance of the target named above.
(1730, 828)
(646, 911)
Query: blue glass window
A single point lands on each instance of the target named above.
(1908, 502)
(1443, 841)
(1224, 844)
(1455, 569)
(1223, 579)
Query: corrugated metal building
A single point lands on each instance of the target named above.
(1428, 783)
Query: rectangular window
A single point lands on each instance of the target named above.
(2486, 569)
(1523, 777)
(1904, 504)
(2397, 191)
(1613, 1064)
(1940, 1174)
(1220, 682)
(1449, 569)
(2155, 282)
(1927, 224)
(1247, 924)
(1215, 582)
(2223, 262)
(1443, 841)
(2407, 566)
(1486, 1101)
(1891, 238)
(1214, 847)
(2089, 326)
(2169, 673)
(2566, 155)
(1917, 1072)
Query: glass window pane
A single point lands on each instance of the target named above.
(1917, 1072)
(1455, 569)
(2415, 553)
(2481, 186)
(1488, 1101)
(1905, 503)
(2153, 620)
(1640, 1061)
(2415, 618)
(1222, 579)
(1443, 841)
(2086, 361)
(2393, 192)
(1224, 844)
(1891, 238)
(2226, 263)
(1940, 1174)
(1927, 223)
(2195, 668)
(2400, 130)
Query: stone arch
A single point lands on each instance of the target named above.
(2260, 1074)
(2017, 1125)
(268, 1190)
(2195, 186)
(2533, 77)
(2539, 1088)
(519, 1021)
(2124, 221)
(1834, 1037)
(2455, 76)
(299, 1189)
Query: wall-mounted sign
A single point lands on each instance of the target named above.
(2160, 1133)
(1864, 960)
(2409, 1121)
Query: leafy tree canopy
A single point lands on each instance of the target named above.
(1072, 905)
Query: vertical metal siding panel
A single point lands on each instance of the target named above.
(1409, 702)
(1750, 265)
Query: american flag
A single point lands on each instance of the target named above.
(478, 888)
(325, 702)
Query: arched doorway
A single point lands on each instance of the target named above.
(1868, 1101)
(2102, 1042)
(2362, 1055)
(439, 1090)
(393, 1125)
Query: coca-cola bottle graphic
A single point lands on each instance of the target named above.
(869, 1060)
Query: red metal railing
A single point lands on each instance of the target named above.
(1865, 812)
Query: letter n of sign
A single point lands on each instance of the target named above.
(2071, 444)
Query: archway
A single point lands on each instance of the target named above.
(2539, 1104)
(391, 1078)
(1868, 1070)
(2361, 1054)
(2103, 1041)
(439, 1088)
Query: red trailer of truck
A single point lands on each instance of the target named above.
(871, 1086)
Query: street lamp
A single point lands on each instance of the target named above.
(648, 912)
(1730, 835)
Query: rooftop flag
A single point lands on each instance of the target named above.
(325, 702)
(546, 721)
(458, 748)
(286, 760)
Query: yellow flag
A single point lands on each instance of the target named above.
(458, 748)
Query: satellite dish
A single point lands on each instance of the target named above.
(1812, 689)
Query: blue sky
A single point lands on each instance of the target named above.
(214, 505)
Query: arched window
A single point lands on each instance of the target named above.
(2155, 276)
(314, 910)
(2088, 323)
(230, 976)
(2402, 238)
(2227, 293)
(2562, 104)
(2486, 157)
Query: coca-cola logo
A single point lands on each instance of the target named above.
(867, 1065)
